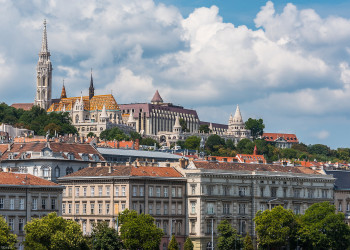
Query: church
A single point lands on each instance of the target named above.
(93, 113)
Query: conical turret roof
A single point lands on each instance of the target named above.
(177, 122)
(157, 98)
(238, 116)
(104, 112)
(44, 47)
(131, 118)
(63, 93)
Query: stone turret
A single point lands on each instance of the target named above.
(177, 126)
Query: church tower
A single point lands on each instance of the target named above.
(44, 75)
(91, 88)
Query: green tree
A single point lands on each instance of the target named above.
(276, 228)
(319, 149)
(248, 243)
(212, 141)
(134, 136)
(114, 134)
(8, 240)
(322, 228)
(54, 232)
(245, 146)
(192, 142)
(228, 237)
(188, 244)
(300, 147)
(104, 237)
(183, 125)
(256, 126)
(91, 134)
(173, 245)
(204, 128)
(149, 142)
(229, 144)
(138, 231)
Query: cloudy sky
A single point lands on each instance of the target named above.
(285, 62)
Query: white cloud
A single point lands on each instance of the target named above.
(323, 134)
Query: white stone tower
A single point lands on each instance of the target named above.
(44, 75)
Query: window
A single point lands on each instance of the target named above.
(12, 203)
(92, 191)
(134, 191)
(242, 208)
(84, 208)
(57, 172)
(297, 193)
(1, 203)
(77, 192)
(173, 192)
(209, 227)
(21, 224)
(100, 191)
(193, 189)
(123, 206)
(141, 191)
(242, 191)
(107, 208)
(21, 203)
(84, 227)
(63, 208)
(141, 208)
(179, 192)
(226, 208)
(69, 208)
(179, 226)
(150, 208)
(150, 191)
(173, 208)
(242, 227)
(92, 208)
(123, 191)
(77, 210)
(46, 172)
(70, 191)
(348, 207)
(310, 193)
(11, 223)
(158, 191)
(274, 192)
(193, 207)
(210, 190)
(210, 208)
(134, 206)
(297, 209)
(43, 203)
(339, 206)
(324, 193)
(262, 192)
(285, 192)
(166, 192)
(165, 227)
(53, 204)
(179, 208)
(193, 226)
(35, 204)
(165, 208)
(158, 208)
(84, 191)
(116, 191)
(226, 190)
(99, 208)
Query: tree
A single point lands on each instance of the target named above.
(230, 144)
(319, 149)
(204, 128)
(149, 142)
(104, 237)
(183, 125)
(228, 237)
(245, 146)
(54, 232)
(256, 126)
(248, 243)
(188, 244)
(300, 147)
(212, 141)
(173, 245)
(91, 134)
(322, 228)
(138, 231)
(8, 240)
(192, 142)
(134, 136)
(114, 134)
(276, 228)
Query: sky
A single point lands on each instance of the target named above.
(285, 62)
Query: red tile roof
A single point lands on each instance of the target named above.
(24, 106)
(57, 147)
(131, 171)
(252, 167)
(274, 136)
(7, 178)
(245, 158)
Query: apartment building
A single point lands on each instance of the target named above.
(100, 193)
(23, 197)
(236, 191)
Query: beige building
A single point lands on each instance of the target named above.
(23, 197)
(236, 191)
(100, 193)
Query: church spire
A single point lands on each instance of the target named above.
(91, 88)
(63, 93)
(44, 48)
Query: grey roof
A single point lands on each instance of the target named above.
(342, 177)
(137, 153)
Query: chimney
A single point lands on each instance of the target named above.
(110, 169)
(182, 162)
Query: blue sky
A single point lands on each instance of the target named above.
(285, 62)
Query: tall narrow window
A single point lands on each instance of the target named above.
(21, 203)
(35, 204)
(12, 203)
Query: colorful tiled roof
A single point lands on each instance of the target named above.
(18, 149)
(7, 178)
(95, 103)
(24, 106)
(252, 167)
(274, 136)
(245, 158)
(130, 171)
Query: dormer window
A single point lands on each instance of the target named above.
(70, 156)
(85, 157)
(10, 156)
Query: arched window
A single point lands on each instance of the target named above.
(76, 118)
(35, 171)
(57, 171)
